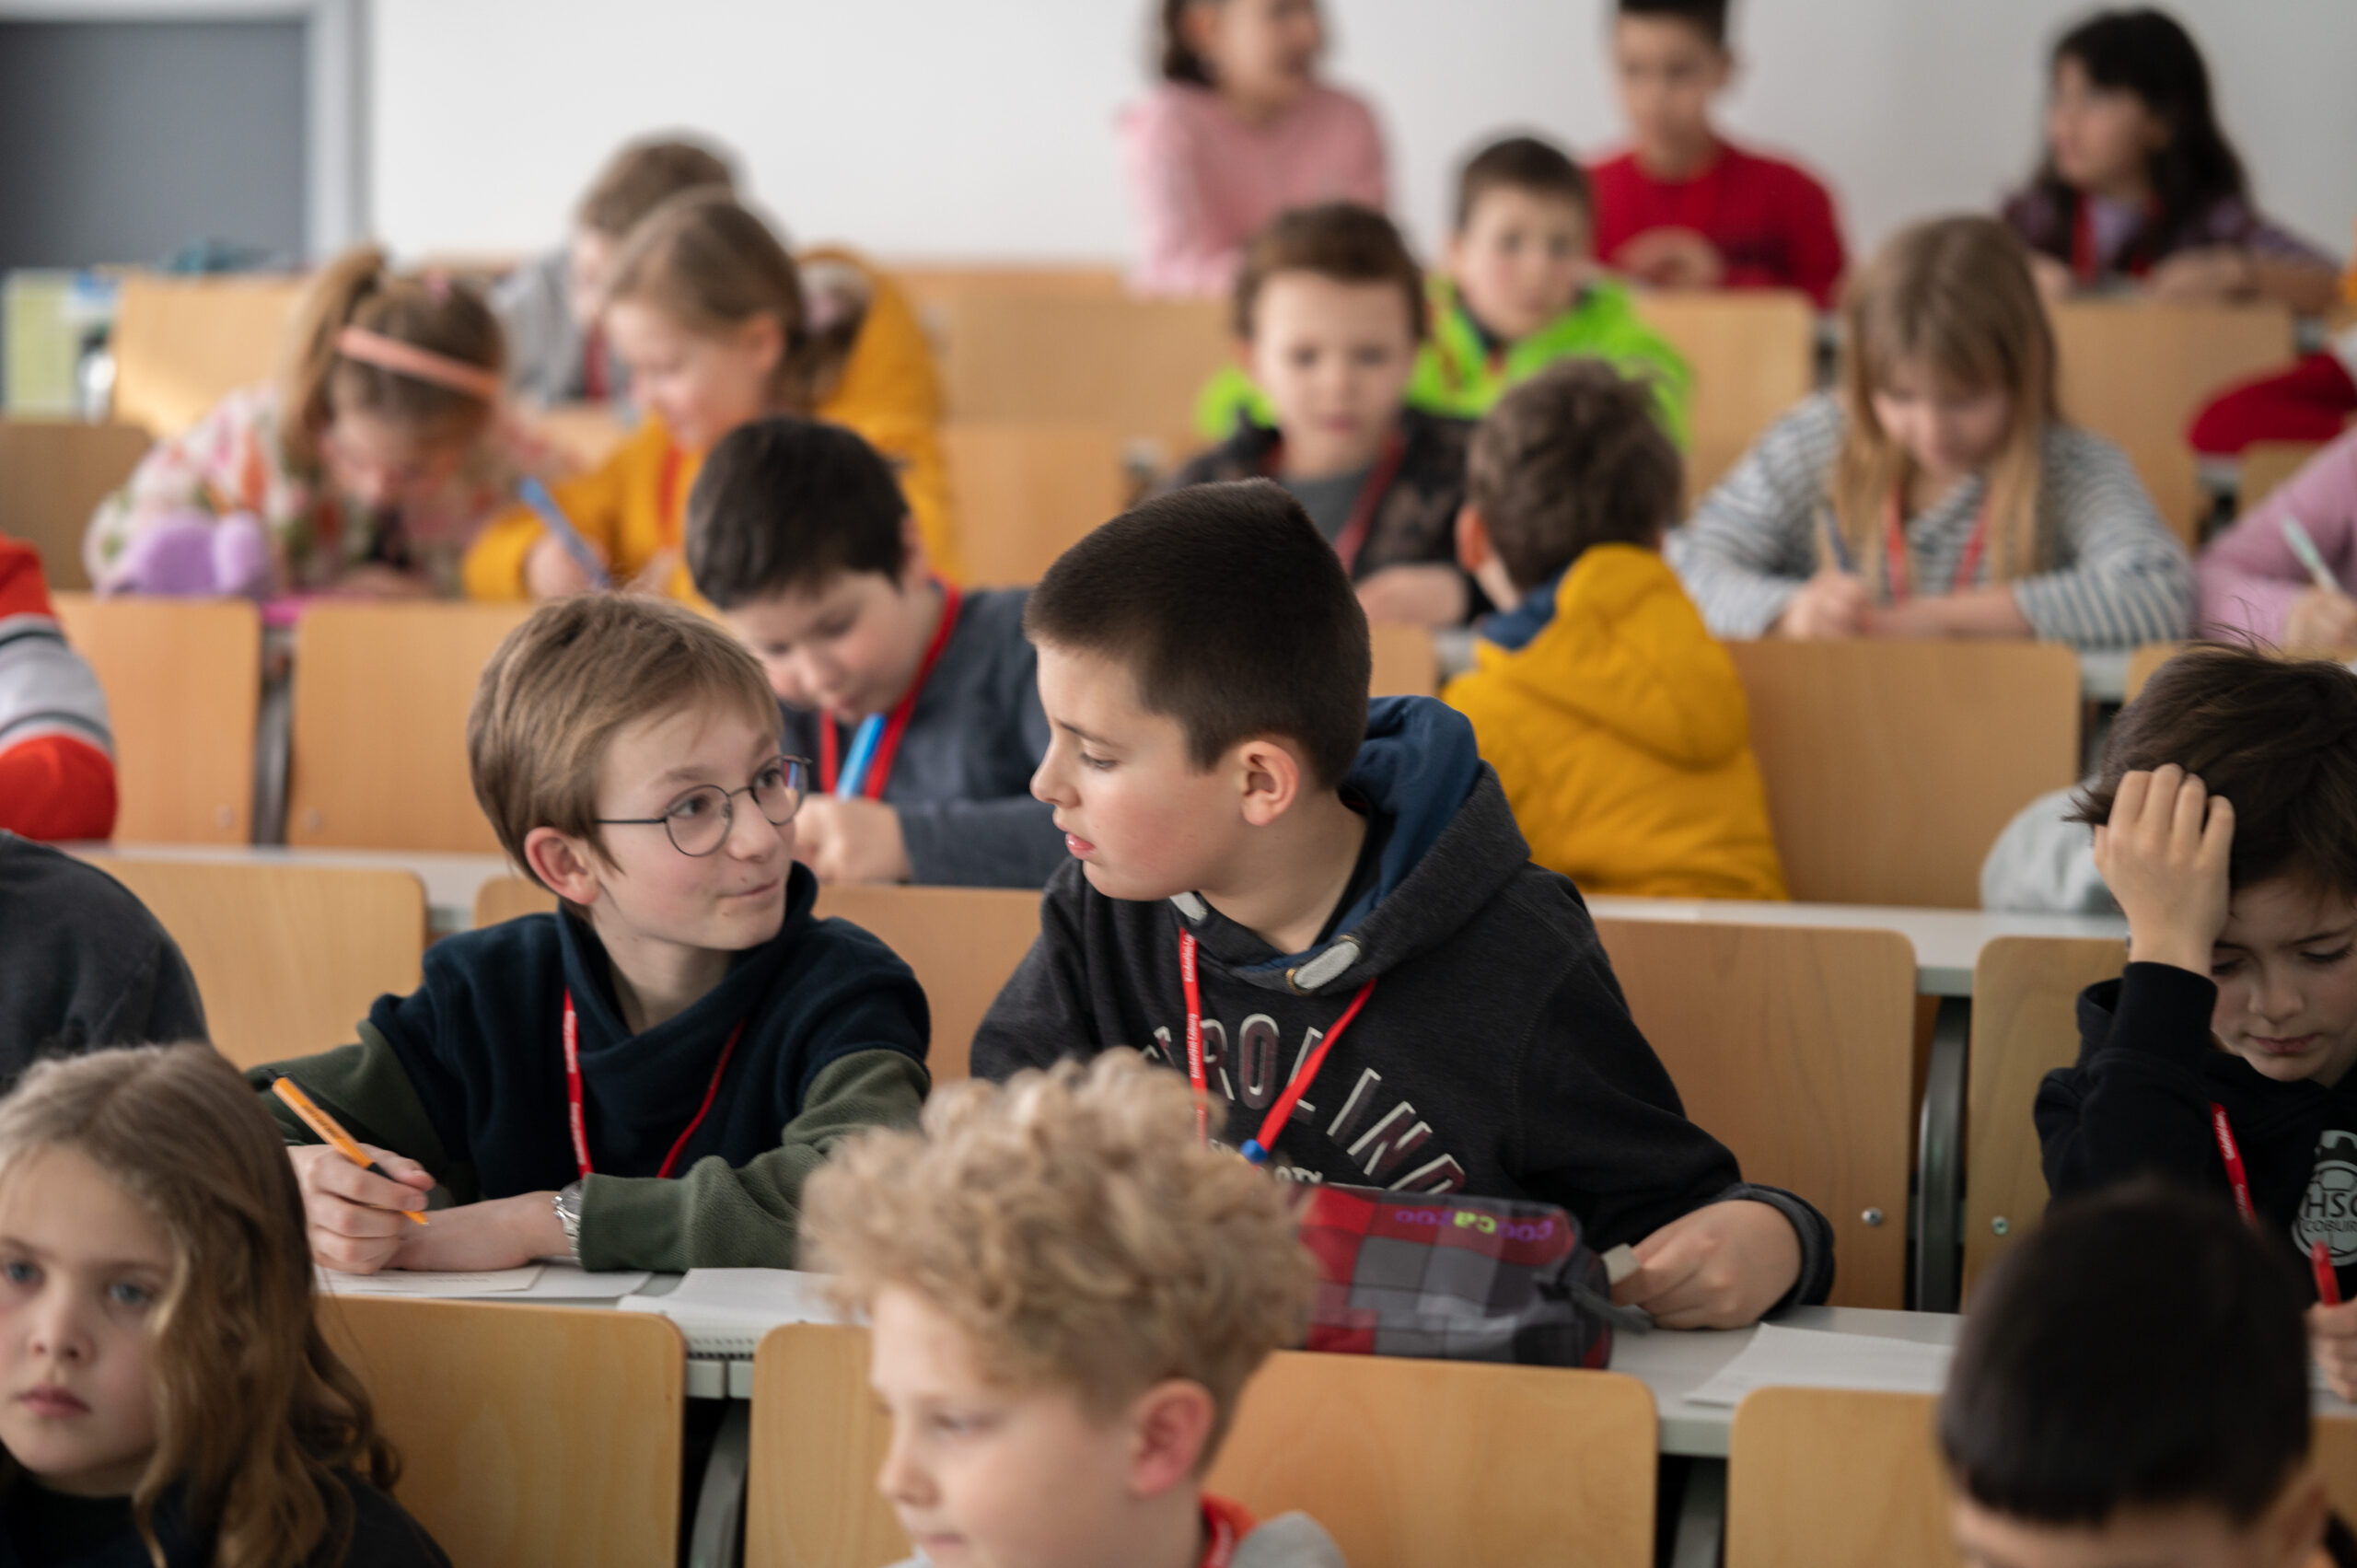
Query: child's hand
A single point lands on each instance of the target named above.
(2332, 1340)
(356, 1220)
(2321, 618)
(1832, 604)
(1673, 257)
(551, 572)
(500, 1233)
(1720, 1267)
(2208, 272)
(2164, 856)
(2053, 275)
(1415, 596)
(851, 840)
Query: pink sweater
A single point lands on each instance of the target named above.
(2248, 576)
(1203, 182)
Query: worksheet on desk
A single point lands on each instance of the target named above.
(553, 1280)
(1812, 1358)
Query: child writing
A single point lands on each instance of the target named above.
(800, 538)
(717, 325)
(2132, 1387)
(2253, 584)
(1617, 725)
(366, 469)
(1940, 494)
(644, 1079)
(1330, 310)
(2225, 820)
(2139, 188)
(1684, 207)
(171, 1399)
(1238, 815)
(1240, 130)
(556, 352)
(1522, 291)
(1067, 1294)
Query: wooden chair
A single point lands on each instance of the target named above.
(183, 343)
(1799, 1056)
(1405, 662)
(2336, 1455)
(929, 285)
(1754, 355)
(963, 943)
(1835, 1477)
(1028, 492)
(530, 1436)
(2137, 372)
(288, 958)
(1891, 767)
(1134, 367)
(2266, 465)
(379, 757)
(58, 472)
(2148, 658)
(2025, 1024)
(183, 685)
(1405, 1462)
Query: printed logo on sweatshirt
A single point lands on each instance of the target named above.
(2328, 1213)
(1377, 1129)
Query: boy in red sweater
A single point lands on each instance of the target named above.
(56, 753)
(1683, 207)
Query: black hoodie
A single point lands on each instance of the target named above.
(1495, 1056)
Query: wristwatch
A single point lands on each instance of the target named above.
(568, 1215)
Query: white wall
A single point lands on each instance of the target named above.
(970, 129)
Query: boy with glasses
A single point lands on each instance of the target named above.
(644, 1079)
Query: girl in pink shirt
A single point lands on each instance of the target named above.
(1240, 130)
(2250, 581)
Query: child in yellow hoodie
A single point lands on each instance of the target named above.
(1616, 722)
(719, 326)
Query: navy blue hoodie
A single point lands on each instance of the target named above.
(1495, 1056)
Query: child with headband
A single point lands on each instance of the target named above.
(367, 468)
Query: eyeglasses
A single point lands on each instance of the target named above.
(699, 820)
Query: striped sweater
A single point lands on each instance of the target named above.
(2119, 576)
(56, 752)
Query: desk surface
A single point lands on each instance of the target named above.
(450, 880)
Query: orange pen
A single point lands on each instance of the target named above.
(336, 1138)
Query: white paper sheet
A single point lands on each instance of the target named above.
(430, 1285)
(1811, 1358)
(726, 1311)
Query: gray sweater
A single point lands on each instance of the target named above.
(962, 780)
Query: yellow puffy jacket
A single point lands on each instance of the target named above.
(887, 391)
(1623, 740)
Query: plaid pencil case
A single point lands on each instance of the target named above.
(1456, 1279)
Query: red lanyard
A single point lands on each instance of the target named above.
(1255, 1149)
(2235, 1176)
(1894, 552)
(572, 1093)
(2086, 265)
(1353, 538)
(880, 769)
(1224, 1523)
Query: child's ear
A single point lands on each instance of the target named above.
(1169, 1425)
(2295, 1526)
(1272, 779)
(915, 567)
(567, 866)
(1473, 551)
(761, 336)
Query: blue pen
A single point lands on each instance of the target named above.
(536, 496)
(862, 752)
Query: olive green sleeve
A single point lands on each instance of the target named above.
(717, 1216)
(364, 1088)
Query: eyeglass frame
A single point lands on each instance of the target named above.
(727, 807)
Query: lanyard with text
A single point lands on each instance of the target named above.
(1255, 1149)
(2233, 1155)
(572, 1093)
(1894, 552)
(880, 768)
(1353, 538)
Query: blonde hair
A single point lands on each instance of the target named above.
(566, 682)
(254, 1413)
(1074, 1226)
(1954, 295)
(432, 312)
(711, 264)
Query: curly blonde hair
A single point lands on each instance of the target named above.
(1071, 1224)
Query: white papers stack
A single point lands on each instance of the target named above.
(1810, 1358)
(557, 1281)
(725, 1312)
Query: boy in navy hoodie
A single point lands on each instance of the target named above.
(644, 1079)
(799, 536)
(1336, 903)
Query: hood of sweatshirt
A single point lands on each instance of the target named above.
(1626, 651)
(1441, 835)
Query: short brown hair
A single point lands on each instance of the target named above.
(2277, 737)
(642, 175)
(1232, 613)
(566, 682)
(1340, 240)
(1074, 1226)
(1520, 163)
(1574, 456)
